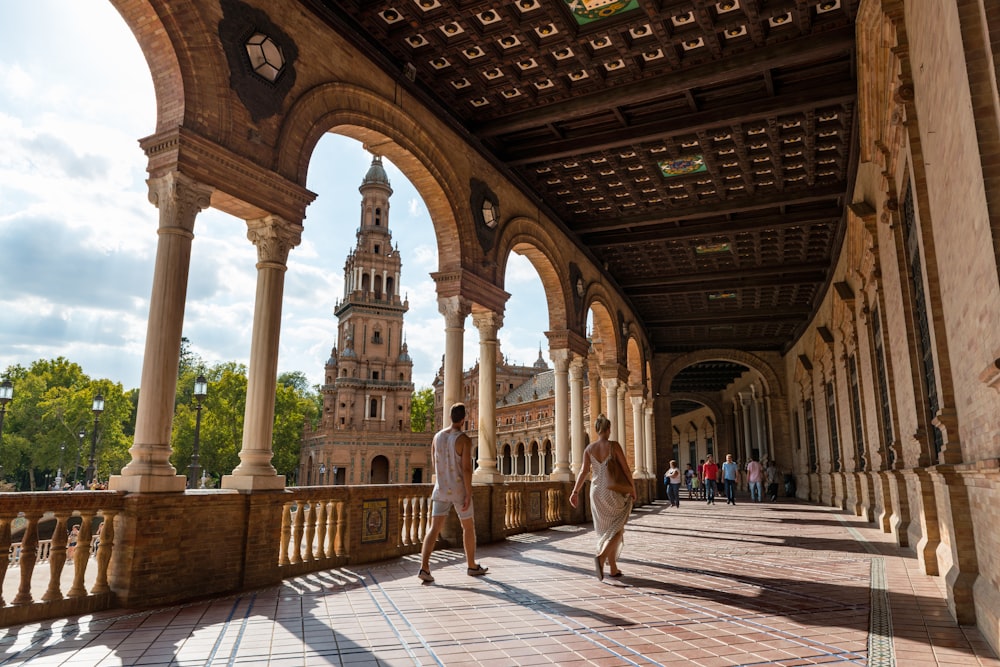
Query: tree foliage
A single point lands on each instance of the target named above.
(422, 409)
(52, 407)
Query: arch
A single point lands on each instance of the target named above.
(363, 115)
(519, 459)
(169, 68)
(634, 362)
(533, 462)
(604, 337)
(379, 470)
(525, 237)
(769, 377)
(505, 460)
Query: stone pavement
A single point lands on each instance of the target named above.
(751, 584)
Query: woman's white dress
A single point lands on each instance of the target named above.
(610, 508)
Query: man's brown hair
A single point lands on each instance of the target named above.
(458, 413)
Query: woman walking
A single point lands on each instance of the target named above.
(610, 508)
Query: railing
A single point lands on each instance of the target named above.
(144, 550)
(37, 582)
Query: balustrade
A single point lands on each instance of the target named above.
(260, 539)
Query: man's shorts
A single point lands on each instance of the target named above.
(439, 507)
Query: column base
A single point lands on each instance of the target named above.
(562, 477)
(253, 482)
(148, 483)
(487, 477)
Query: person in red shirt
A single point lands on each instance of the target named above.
(709, 475)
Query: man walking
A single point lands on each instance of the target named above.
(755, 479)
(451, 452)
(730, 473)
(710, 473)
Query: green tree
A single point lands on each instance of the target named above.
(52, 403)
(421, 409)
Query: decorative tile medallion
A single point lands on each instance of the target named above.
(588, 11)
(682, 166)
(375, 520)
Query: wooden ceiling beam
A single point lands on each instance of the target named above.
(793, 53)
(667, 233)
(797, 273)
(833, 192)
(830, 94)
(773, 315)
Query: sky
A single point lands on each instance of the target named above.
(78, 234)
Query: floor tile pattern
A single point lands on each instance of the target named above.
(751, 584)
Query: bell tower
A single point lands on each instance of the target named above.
(369, 383)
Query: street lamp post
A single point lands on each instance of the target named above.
(322, 471)
(79, 451)
(200, 392)
(6, 395)
(97, 408)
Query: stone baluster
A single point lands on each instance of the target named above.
(4, 549)
(338, 544)
(57, 559)
(81, 554)
(106, 534)
(330, 547)
(29, 554)
(321, 510)
(298, 528)
(310, 526)
(286, 533)
(405, 518)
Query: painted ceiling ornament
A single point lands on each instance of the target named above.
(689, 164)
(588, 11)
(261, 58)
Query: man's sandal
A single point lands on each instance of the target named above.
(424, 575)
(476, 571)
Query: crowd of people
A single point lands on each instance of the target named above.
(80, 486)
(703, 483)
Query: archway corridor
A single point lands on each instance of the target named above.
(755, 584)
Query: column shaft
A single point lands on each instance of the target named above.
(560, 359)
(454, 309)
(577, 431)
(179, 199)
(639, 446)
(274, 238)
(486, 466)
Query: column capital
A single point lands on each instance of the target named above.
(274, 237)
(179, 198)
(610, 384)
(455, 309)
(576, 368)
(637, 402)
(560, 359)
(488, 324)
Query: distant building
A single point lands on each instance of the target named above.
(525, 414)
(364, 435)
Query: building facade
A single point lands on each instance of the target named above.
(364, 435)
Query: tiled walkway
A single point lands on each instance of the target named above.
(781, 584)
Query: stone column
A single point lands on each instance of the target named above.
(560, 359)
(747, 406)
(611, 403)
(486, 467)
(647, 437)
(576, 413)
(274, 238)
(179, 200)
(620, 426)
(455, 309)
(638, 445)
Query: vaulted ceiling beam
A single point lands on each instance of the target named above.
(667, 233)
(793, 53)
(789, 273)
(830, 94)
(832, 192)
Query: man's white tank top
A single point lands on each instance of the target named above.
(448, 484)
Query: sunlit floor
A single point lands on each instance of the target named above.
(750, 584)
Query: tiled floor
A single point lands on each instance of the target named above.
(781, 584)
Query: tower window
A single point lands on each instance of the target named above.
(373, 408)
(376, 248)
(377, 336)
(374, 375)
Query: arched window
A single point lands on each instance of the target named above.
(379, 470)
(378, 217)
(373, 408)
(390, 287)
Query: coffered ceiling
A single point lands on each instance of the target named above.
(701, 151)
